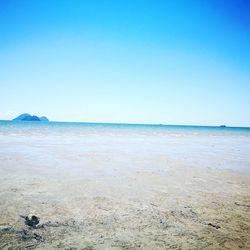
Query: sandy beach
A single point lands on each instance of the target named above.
(124, 125)
(123, 192)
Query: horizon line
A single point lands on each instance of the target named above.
(145, 124)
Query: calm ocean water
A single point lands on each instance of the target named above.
(121, 145)
(81, 129)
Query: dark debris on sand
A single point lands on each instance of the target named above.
(29, 235)
(33, 221)
(213, 225)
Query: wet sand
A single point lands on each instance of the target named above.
(141, 200)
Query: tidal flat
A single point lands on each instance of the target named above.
(123, 188)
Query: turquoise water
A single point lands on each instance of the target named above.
(54, 143)
(17, 127)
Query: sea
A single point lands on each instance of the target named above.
(123, 146)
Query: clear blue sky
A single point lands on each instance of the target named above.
(135, 61)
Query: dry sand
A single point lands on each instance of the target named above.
(160, 204)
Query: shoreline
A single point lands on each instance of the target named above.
(120, 191)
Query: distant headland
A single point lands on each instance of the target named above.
(28, 117)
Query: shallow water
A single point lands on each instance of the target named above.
(210, 147)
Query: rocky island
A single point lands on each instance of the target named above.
(28, 117)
